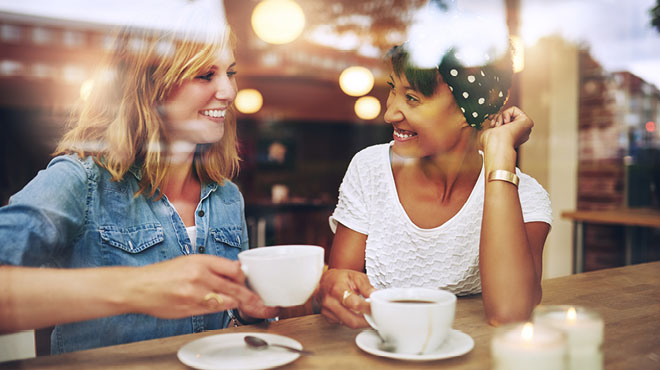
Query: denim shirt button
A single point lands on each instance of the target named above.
(201, 249)
(200, 213)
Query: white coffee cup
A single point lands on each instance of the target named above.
(412, 320)
(283, 275)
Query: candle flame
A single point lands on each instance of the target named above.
(527, 331)
(571, 314)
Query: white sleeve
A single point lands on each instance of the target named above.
(351, 210)
(534, 200)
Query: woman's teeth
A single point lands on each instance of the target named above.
(403, 134)
(215, 113)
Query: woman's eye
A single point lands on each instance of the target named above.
(391, 85)
(231, 73)
(207, 76)
(411, 98)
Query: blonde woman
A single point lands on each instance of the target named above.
(141, 181)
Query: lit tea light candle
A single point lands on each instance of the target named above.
(584, 333)
(528, 346)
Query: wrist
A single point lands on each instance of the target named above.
(107, 294)
(500, 157)
(236, 318)
(503, 175)
(129, 295)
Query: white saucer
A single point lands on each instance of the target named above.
(229, 351)
(456, 344)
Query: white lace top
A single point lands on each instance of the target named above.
(400, 254)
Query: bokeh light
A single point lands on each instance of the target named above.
(278, 21)
(356, 81)
(518, 52)
(367, 107)
(248, 101)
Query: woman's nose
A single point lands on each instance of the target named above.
(392, 112)
(225, 89)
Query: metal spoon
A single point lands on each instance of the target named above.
(259, 343)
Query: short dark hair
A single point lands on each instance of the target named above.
(479, 91)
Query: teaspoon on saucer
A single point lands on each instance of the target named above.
(258, 343)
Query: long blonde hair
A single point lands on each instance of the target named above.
(120, 124)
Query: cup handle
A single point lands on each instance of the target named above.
(370, 320)
(244, 269)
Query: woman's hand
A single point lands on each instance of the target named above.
(341, 295)
(191, 285)
(510, 127)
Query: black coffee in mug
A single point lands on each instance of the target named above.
(411, 301)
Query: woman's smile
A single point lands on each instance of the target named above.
(403, 135)
(215, 115)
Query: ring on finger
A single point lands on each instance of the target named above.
(214, 296)
(347, 293)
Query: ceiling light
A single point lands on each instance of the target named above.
(278, 21)
(248, 101)
(367, 107)
(356, 81)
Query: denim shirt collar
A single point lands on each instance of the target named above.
(136, 170)
(208, 189)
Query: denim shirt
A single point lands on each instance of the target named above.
(72, 215)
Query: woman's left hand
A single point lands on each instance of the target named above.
(511, 126)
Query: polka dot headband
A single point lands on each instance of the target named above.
(478, 91)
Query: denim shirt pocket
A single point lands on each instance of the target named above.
(131, 245)
(227, 241)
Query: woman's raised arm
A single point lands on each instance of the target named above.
(510, 254)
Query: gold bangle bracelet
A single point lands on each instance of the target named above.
(503, 175)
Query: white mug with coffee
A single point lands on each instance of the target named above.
(412, 320)
(283, 275)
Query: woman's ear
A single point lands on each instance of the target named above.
(463, 123)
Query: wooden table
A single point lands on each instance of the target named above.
(627, 297)
(630, 218)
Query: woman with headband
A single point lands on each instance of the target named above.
(442, 205)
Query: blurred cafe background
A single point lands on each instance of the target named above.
(587, 72)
